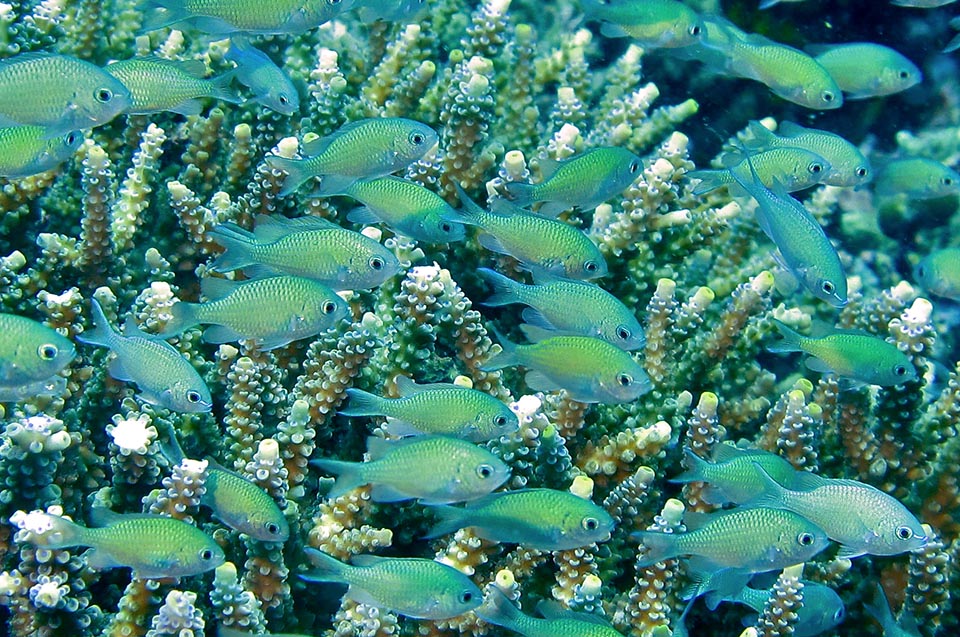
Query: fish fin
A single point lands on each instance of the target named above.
(694, 465)
(712, 494)
(789, 343)
(536, 319)
(268, 343)
(331, 185)
(506, 208)
(498, 609)
(216, 288)
(183, 318)
(378, 447)
(732, 159)
(170, 447)
(506, 358)
(660, 546)
(406, 386)
(186, 108)
(491, 243)
(100, 560)
(221, 89)
(237, 243)
(762, 138)
(221, 334)
(362, 403)
(784, 280)
(62, 533)
(387, 493)
(102, 333)
(791, 129)
(817, 365)
(327, 568)
(553, 208)
(766, 4)
(505, 289)
(269, 228)
(452, 519)
(521, 194)
(726, 451)
(806, 481)
(471, 214)
(364, 215)
(551, 609)
(318, 145)
(773, 492)
(400, 428)
(117, 370)
(132, 330)
(537, 381)
(710, 180)
(296, 169)
(611, 30)
(536, 333)
(158, 14)
(849, 552)
(349, 475)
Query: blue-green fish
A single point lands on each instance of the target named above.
(255, 70)
(598, 313)
(879, 607)
(156, 84)
(821, 610)
(418, 588)
(310, 247)
(766, 4)
(793, 167)
(58, 92)
(939, 273)
(441, 408)
(272, 311)
(584, 181)
(652, 24)
(589, 369)
(756, 539)
(29, 150)
(497, 609)
(431, 469)
(541, 245)
(865, 69)
(162, 374)
(154, 546)
(922, 4)
(402, 11)
(848, 166)
(404, 206)
(852, 354)
(31, 356)
(543, 519)
(227, 631)
(917, 178)
(732, 476)
(367, 148)
(863, 519)
(223, 17)
(802, 246)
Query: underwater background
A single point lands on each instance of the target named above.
(508, 85)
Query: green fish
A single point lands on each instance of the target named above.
(599, 313)
(589, 369)
(154, 546)
(821, 610)
(31, 356)
(310, 247)
(272, 311)
(792, 167)
(541, 245)
(939, 273)
(404, 206)
(443, 409)
(58, 92)
(852, 354)
(803, 248)
(224, 17)
(367, 148)
(255, 70)
(557, 622)
(543, 519)
(755, 539)
(584, 181)
(29, 150)
(863, 519)
(848, 166)
(162, 374)
(156, 85)
(917, 178)
(733, 475)
(879, 608)
(403, 11)
(653, 24)
(864, 69)
(418, 588)
(431, 469)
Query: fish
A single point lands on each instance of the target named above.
(442, 408)
(414, 587)
(229, 631)
(861, 518)
(584, 181)
(63, 94)
(255, 70)
(939, 273)
(179, 86)
(431, 469)
(879, 608)
(31, 356)
(802, 246)
(271, 311)
(226, 17)
(792, 167)
(917, 178)
(653, 24)
(541, 245)
(366, 148)
(848, 166)
(766, 4)
(404, 206)
(402, 11)
(309, 247)
(599, 313)
(152, 546)
(543, 519)
(161, 373)
(922, 4)
(732, 475)
(864, 69)
(755, 539)
(821, 610)
(29, 150)
(851, 354)
(589, 369)
(557, 622)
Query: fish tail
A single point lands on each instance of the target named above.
(498, 609)
(506, 358)
(184, 317)
(158, 14)
(101, 334)
(296, 172)
(470, 213)
(363, 404)
(773, 492)
(451, 520)
(61, 533)
(221, 89)
(660, 546)
(710, 180)
(327, 568)
(790, 341)
(238, 245)
(521, 195)
(349, 475)
(505, 289)
(695, 467)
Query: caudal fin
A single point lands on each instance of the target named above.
(695, 468)
(659, 546)
(184, 317)
(101, 334)
(790, 341)
(363, 404)
(521, 195)
(498, 609)
(238, 245)
(53, 532)
(506, 358)
(505, 290)
(349, 475)
(326, 568)
(296, 170)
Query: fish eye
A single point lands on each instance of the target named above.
(946, 181)
(70, 138)
(283, 99)
(861, 172)
(193, 396)
(446, 227)
(273, 528)
(827, 96)
(827, 287)
(623, 333)
(465, 597)
(805, 539)
(103, 95)
(591, 266)
(206, 555)
(904, 532)
(376, 263)
(900, 370)
(625, 379)
(329, 307)
(334, 1)
(903, 75)
(48, 351)
(695, 30)
(417, 138)
(816, 168)
(921, 271)
(838, 616)
(484, 471)
(634, 167)
(500, 421)
(590, 524)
